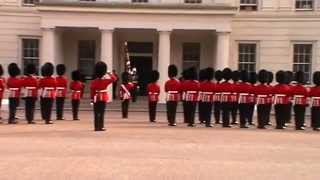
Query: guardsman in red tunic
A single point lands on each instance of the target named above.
(217, 97)
(77, 88)
(47, 84)
(202, 78)
(30, 85)
(269, 84)
(245, 89)
(99, 94)
(282, 97)
(191, 90)
(227, 89)
(125, 94)
(289, 82)
(235, 106)
(153, 95)
(300, 100)
(315, 102)
(61, 91)
(14, 84)
(262, 92)
(252, 99)
(2, 88)
(207, 89)
(173, 94)
(183, 79)
(115, 84)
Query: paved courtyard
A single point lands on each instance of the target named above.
(133, 149)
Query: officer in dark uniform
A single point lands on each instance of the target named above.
(315, 102)
(217, 97)
(153, 95)
(300, 95)
(235, 106)
(61, 90)
(202, 78)
(173, 94)
(14, 84)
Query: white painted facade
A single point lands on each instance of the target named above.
(218, 25)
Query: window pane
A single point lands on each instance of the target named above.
(191, 55)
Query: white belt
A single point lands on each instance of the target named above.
(226, 93)
(172, 92)
(262, 96)
(61, 88)
(48, 88)
(315, 98)
(76, 91)
(153, 93)
(281, 95)
(13, 89)
(207, 93)
(191, 92)
(299, 96)
(102, 91)
(30, 88)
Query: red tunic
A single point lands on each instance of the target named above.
(245, 91)
(30, 83)
(62, 84)
(228, 90)
(206, 93)
(99, 87)
(282, 93)
(153, 92)
(173, 90)
(262, 93)
(300, 94)
(315, 96)
(14, 85)
(125, 90)
(48, 87)
(77, 90)
(217, 92)
(2, 86)
(190, 90)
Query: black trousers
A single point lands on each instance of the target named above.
(269, 108)
(289, 115)
(29, 108)
(234, 111)
(201, 111)
(13, 104)
(190, 111)
(185, 118)
(207, 112)
(75, 108)
(125, 108)
(251, 112)
(299, 115)
(226, 112)
(114, 90)
(171, 111)
(263, 115)
(59, 107)
(133, 93)
(99, 109)
(46, 108)
(152, 110)
(244, 110)
(217, 111)
(281, 111)
(315, 117)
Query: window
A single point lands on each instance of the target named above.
(247, 56)
(139, 1)
(191, 55)
(193, 1)
(87, 56)
(87, 0)
(30, 52)
(302, 58)
(249, 5)
(30, 2)
(304, 4)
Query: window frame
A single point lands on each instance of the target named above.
(257, 5)
(257, 54)
(29, 4)
(191, 61)
(21, 49)
(305, 9)
(140, 1)
(193, 1)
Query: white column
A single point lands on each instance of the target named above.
(48, 46)
(107, 52)
(223, 50)
(163, 60)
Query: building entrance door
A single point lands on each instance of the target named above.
(87, 57)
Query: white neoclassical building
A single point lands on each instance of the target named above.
(241, 34)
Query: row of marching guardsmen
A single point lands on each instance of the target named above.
(234, 91)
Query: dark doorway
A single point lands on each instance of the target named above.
(87, 56)
(144, 68)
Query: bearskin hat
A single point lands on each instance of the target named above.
(61, 69)
(203, 75)
(289, 77)
(191, 74)
(100, 69)
(172, 71)
(270, 77)
(300, 77)
(30, 69)
(154, 76)
(218, 75)
(210, 73)
(125, 77)
(76, 75)
(263, 76)
(253, 77)
(280, 77)
(1, 70)
(316, 78)
(47, 69)
(244, 76)
(13, 70)
(227, 74)
(235, 76)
